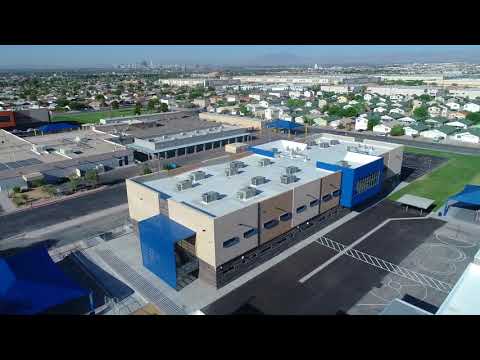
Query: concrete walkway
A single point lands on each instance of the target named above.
(6, 205)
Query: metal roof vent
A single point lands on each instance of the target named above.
(246, 193)
(288, 179)
(264, 162)
(231, 169)
(238, 164)
(334, 142)
(210, 196)
(184, 184)
(291, 170)
(324, 145)
(197, 175)
(258, 180)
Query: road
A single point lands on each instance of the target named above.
(418, 144)
(33, 219)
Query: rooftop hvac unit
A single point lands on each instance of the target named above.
(184, 184)
(197, 175)
(311, 142)
(210, 196)
(238, 164)
(231, 170)
(324, 145)
(344, 163)
(259, 180)
(264, 162)
(288, 179)
(291, 170)
(334, 142)
(246, 193)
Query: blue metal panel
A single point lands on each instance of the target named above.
(158, 236)
(261, 151)
(349, 180)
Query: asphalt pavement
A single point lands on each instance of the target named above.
(36, 218)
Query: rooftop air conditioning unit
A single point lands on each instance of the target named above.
(324, 145)
(197, 175)
(258, 180)
(264, 162)
(231, 169)
(289, 170)
(246, 193)
(334, 142)
(210, 196)
(238, 164)
(184, 184)
(288, 179)
(344, 163)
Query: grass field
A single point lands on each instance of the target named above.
(445, 181)
(94, 117)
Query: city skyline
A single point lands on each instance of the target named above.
(38, 56)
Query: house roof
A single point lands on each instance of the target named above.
(420, 127)
(447, 129)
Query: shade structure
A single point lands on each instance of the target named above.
(50, 128)
(158, 236)
(31, 283)
(284, 125)
(470, 195)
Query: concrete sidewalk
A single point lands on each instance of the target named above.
(6, 205)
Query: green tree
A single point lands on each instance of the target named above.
(425, 97)
(151, 104)
(372, 121)
(349, 112)
(91, 176)
(334, 110)
(146, 170)
(474, 117)
(397, 130)
(74, 181)
(115, 105)
(138, 109)
(100, 97)
(295, 103)
(420, 113)
(243, 109)
(163, 107)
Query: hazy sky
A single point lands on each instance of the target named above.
(66, 55)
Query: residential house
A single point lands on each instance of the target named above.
(407, 120)
(382, 129)
(453, 106)
(255, 96)
(471, 135)
(379, 109)
(416, 104)
(437, 121)
(263, 103)
(308, 94)
(386, 118)
(340, 123)
(457, 115)
(353, 102)
(415, 129)
(361, 123)
(434, 111)
(308, 104)
(342, 99)
(438, 133)
(322, 103)
(461, 123)
(397, 111)
(471, 107)
(367, 97)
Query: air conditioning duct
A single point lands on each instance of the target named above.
(246, 193)
(288, 179)
(184, 184)
(210, 196)
(258, 180)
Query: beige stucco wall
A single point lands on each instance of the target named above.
(272, 209)
(199, 222)
(143, 202)
(232, 120)
(303, 195)
(330, 183)
(393, 161)
(235, 225)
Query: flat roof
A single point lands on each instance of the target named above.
(76, 144)
(228, 186)
(416, 201)
(464, 299)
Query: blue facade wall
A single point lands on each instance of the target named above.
(350, 177)
(261, 151)
(158, 236)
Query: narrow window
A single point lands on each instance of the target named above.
(286, 216)
(270, 224)
(249, 233)
(301, 209)
(230, 242)
(314, 203)
(336, 193)
(326, 198)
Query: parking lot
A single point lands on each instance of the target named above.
(387, 259)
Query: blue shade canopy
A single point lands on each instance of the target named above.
(31, 283)
(158, 236)
(470, 195)
(56, 127)
(284, 124)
